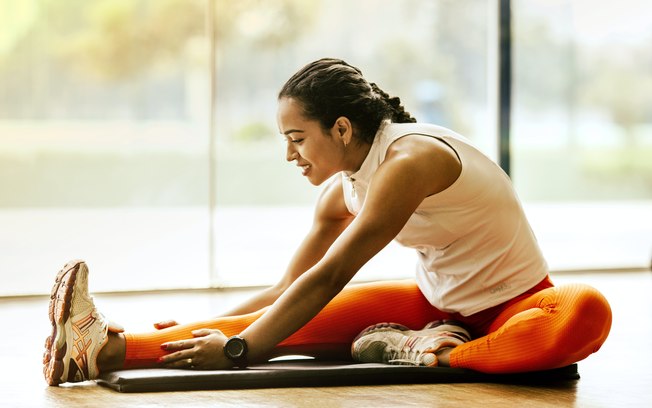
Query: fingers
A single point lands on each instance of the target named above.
(202, 352)
(180, 354)
(177, 360)
(178, 345)
(205, 332)
(165, 324)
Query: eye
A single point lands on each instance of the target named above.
(297, 141)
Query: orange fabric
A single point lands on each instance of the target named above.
(545, 327)
(355, 308)
(552, 328)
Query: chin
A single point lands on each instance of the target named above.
(316, 181)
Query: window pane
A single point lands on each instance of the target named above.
(103, 146)
(413, 49)
(583, 129)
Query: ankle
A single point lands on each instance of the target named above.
(443, 356)
(112, 355)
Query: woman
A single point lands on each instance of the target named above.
(425, 186)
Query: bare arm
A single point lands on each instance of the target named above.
(413, 170)
(331, 218)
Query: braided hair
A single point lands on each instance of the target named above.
(329, 88)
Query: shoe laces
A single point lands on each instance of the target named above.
(407, 356)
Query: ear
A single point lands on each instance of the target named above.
(343, 130)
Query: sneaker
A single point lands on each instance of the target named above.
(78, 331)
(392, 343)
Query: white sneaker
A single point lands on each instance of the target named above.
(392, 343)
(78, 331)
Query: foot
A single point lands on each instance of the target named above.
(78, 331)
(392, 343)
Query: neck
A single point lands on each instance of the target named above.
(355, 155)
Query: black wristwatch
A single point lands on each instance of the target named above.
(235, 349)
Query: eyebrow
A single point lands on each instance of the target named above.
(290, 131)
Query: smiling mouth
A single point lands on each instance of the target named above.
(304, 169)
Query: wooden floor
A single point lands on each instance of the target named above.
(619, 375)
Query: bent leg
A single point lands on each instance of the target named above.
(331, 332)
(552, 328)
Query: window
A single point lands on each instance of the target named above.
(103, 142)
(413, 49)
(582, 129)
(104, 128)
(108, 132)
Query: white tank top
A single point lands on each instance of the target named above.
(475, 246)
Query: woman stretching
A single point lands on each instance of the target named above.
(480, 275)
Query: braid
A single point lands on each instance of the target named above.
(329, 88)
(399, 114)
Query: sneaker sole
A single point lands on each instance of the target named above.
(59, 313)
(441, 326)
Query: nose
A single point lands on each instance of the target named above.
(290, 153)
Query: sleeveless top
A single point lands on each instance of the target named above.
(475, 246)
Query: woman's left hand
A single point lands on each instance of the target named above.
(203, 352)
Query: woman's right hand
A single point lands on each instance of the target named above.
(165, 324)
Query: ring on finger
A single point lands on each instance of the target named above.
(189, 361)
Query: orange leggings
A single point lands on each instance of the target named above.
(545, 327)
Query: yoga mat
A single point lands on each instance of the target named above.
(313, 373)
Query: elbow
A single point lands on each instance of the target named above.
(333, 282)
(276, 291)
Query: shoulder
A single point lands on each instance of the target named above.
(426, 159)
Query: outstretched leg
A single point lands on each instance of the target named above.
(84, 343)
(328, 334)
(551, 328)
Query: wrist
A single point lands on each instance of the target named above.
(236, 350)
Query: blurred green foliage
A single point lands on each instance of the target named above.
(254, 131)
(246, 175)
(135, 61)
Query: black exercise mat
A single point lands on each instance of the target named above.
(314, 374)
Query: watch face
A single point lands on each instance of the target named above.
(235, 348)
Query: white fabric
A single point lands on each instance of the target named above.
(474, 244)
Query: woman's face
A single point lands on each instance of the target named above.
(319, 154)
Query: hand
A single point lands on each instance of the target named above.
(165, 324)
(203, 352)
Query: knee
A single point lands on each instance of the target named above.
(588, 318)
(592, 310)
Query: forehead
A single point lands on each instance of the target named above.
(290, 109)
(290, 117)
